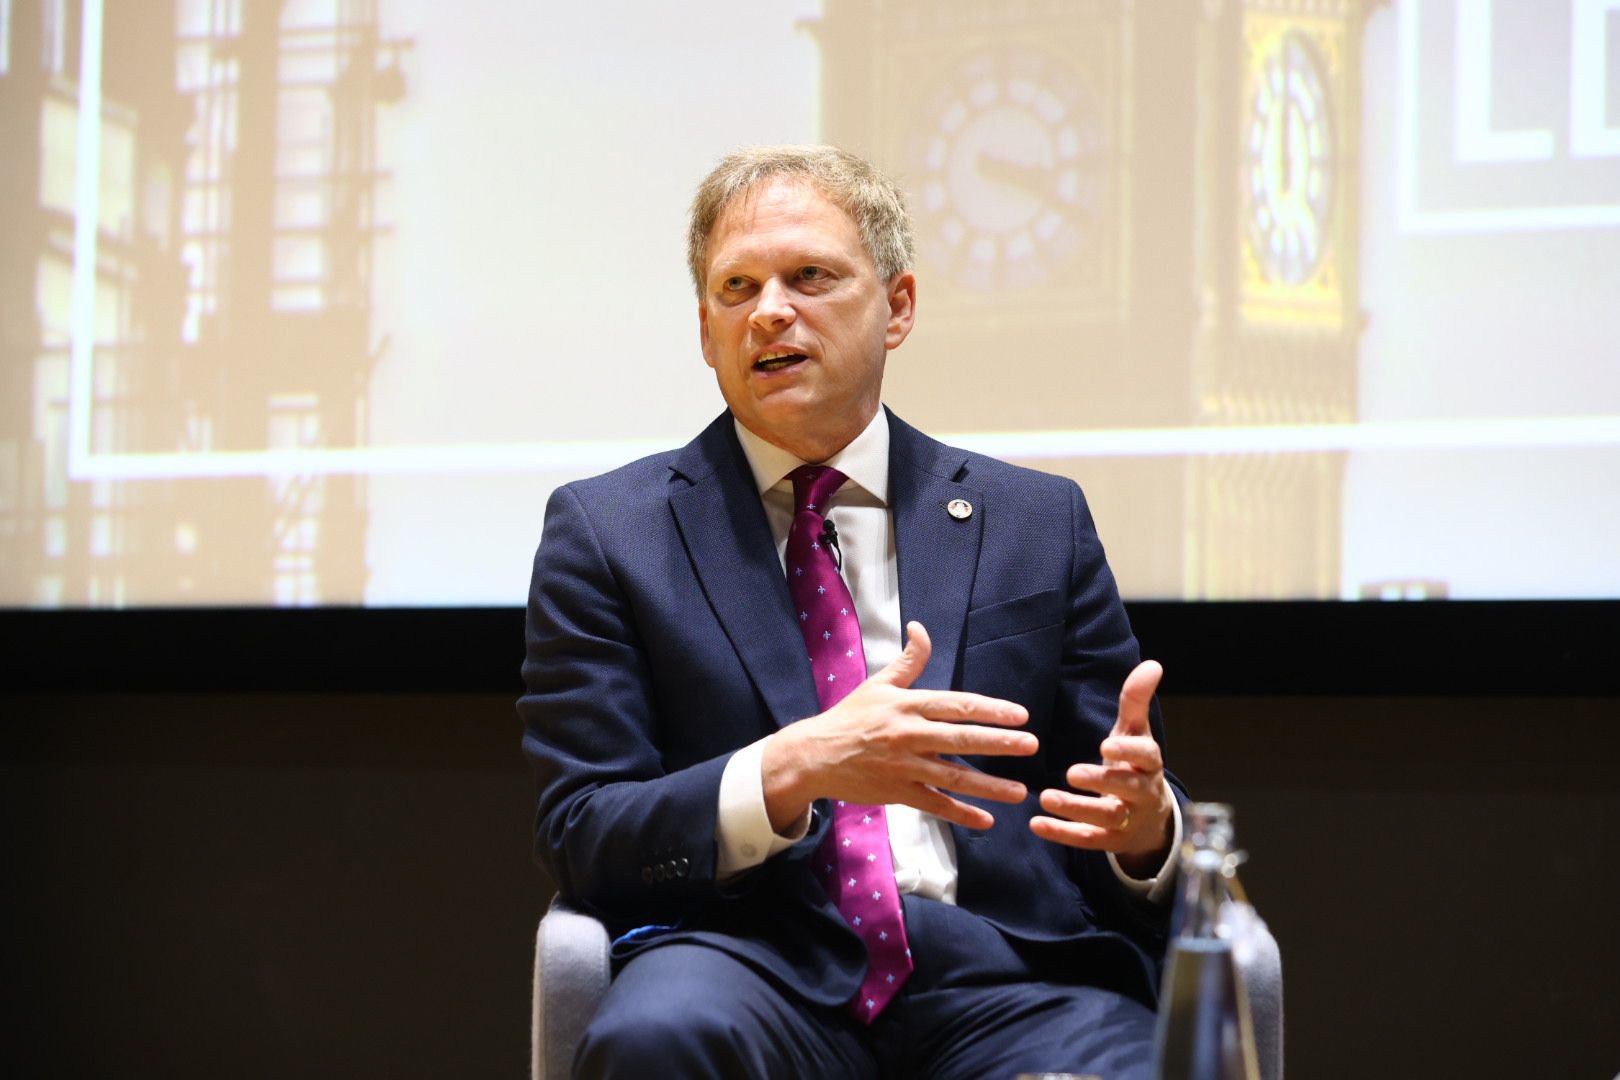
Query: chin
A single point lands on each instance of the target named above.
(788, 409)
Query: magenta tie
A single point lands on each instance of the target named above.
(854, 861)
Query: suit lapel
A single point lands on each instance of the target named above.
(729, 541)
(938, 555)
(733, 553)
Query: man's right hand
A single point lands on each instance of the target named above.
(883, 744)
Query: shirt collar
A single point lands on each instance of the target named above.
(865, 460)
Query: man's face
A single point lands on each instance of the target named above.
(794, 320)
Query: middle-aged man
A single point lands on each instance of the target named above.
(818, 838)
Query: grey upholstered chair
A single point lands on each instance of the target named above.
(571, 974)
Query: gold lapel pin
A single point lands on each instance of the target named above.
(960, 509)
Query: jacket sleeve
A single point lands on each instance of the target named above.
(1099, 651)
(620, 834)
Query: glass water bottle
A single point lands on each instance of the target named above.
(1205, 1031)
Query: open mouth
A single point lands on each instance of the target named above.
(777, 361)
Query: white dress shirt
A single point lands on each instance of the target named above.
(922, 845)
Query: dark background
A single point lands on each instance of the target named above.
(311, 874)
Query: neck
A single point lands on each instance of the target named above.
(815, 446)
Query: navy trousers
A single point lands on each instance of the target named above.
(971, 1009)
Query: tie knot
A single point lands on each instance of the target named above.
(813, 485)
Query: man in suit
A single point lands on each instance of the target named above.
(702, 772)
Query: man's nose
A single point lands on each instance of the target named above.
(774, 307)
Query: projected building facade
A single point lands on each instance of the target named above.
(1147, 213)
(1311, 296)
(1277, 276)
(232, 292)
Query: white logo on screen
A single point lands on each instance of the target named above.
(1504, 115)
(1475, 139)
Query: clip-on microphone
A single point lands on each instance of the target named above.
(829, 536)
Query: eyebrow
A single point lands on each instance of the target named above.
(823, 257)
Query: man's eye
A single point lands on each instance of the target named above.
(812, 273)
(732, 284)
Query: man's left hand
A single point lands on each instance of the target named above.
(1124, 805)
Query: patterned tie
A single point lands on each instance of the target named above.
(855, 863)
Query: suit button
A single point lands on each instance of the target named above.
(660, 872)
(646, 875)
(682, 866)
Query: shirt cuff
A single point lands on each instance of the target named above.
(743, 834)
(1158, 888)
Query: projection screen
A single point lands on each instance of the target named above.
(314, 302)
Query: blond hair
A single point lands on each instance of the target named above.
(871, 200)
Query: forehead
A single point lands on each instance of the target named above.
(784, 217)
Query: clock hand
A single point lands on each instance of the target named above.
(1036, 180)
(1288, 145)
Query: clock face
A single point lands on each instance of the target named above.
(1012, 172)
(1288, 161)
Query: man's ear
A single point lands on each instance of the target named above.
(902, 308)
(703, 332)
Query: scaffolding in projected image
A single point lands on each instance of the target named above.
(200, 223)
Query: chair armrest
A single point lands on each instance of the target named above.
(571, 973)
(1259, 961)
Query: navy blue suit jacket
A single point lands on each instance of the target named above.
(661, 639)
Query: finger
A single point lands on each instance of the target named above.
(1137, 751)
(1135, 697)
(944, 776)
(942, 806)
(1122, 781)
(1074, 834)
(1103, 812)
(968, 740)
(904, 669)
(960, 706)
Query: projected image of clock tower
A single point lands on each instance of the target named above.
(1135, 221)
(1016, 131)
(1277, 276)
